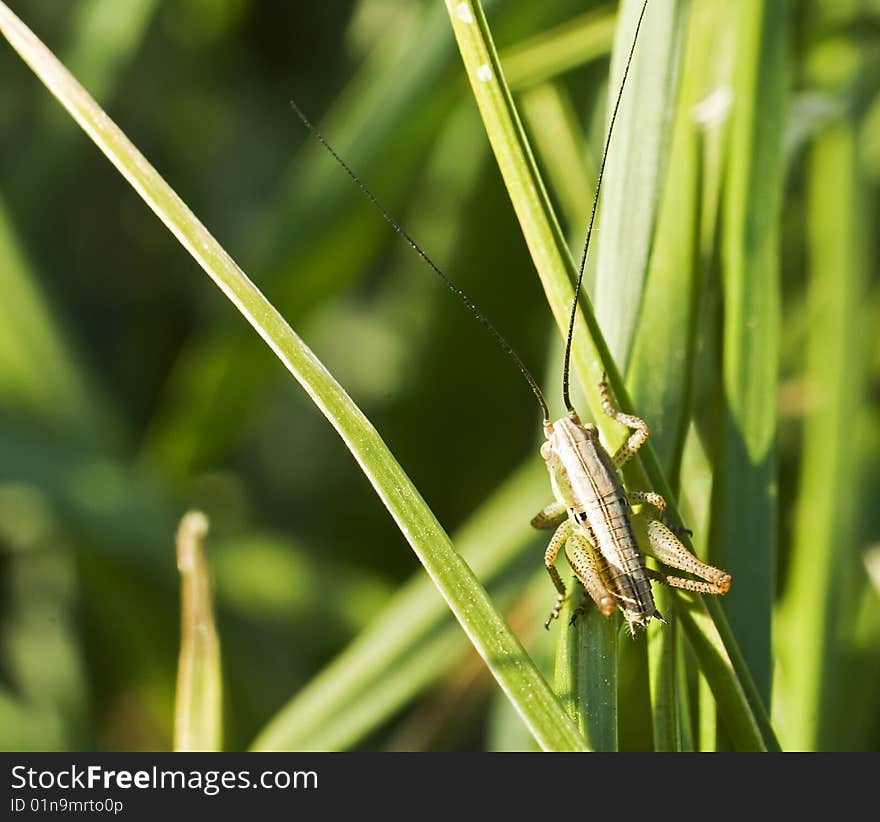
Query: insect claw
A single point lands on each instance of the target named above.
(579, 611)
(680, 530)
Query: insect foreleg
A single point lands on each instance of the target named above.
(582, 558)
(635, 440)
(563, 532)
(666, 547)
(550, 516)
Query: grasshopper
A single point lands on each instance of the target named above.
(591, 515)
(592, 510)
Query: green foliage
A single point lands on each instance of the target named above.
(734, 278)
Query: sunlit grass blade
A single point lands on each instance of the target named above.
(503, 653)
(666, 701)
(636, 164)
(198, 713)
(744, 517)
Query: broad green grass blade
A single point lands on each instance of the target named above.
(819, 601)
(198, 713)
(636, 165)
(744, 520)
(468, 600)
(665, 678)
(586, 672)
(724, 669)
(596, 678)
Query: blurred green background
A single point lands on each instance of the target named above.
(131, 391)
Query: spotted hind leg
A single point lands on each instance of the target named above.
(666, 547)
(582, 558)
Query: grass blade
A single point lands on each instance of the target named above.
(636, 164)
(815, 608)
(198, 713)
(501, 650)
(586, 673)
(750, 263)
(724, 666)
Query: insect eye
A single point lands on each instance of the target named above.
(547, 451)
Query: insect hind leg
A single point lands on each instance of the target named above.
(636, 439)
(666, 547)
(581, 556)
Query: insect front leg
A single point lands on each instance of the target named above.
(638, 437)
(584, 562)
(563, 532)
(666, 547)
(551, 516)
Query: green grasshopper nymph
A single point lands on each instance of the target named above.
(592, 511)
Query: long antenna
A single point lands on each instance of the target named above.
(565, 368)
(428, 261)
